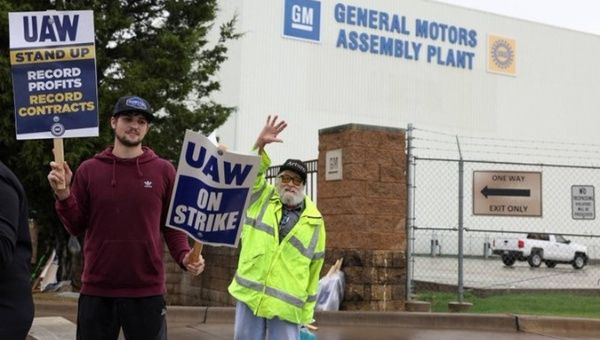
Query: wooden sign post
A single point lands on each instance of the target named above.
(196, 251)
(59, 158)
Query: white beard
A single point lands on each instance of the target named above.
(289, 198)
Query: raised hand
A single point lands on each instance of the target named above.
(270, 132)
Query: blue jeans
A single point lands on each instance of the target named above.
(251, 327)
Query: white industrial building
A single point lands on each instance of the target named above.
(392, 62)
(443, 68)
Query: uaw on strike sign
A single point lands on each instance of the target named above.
(53, 59)
(212, 191)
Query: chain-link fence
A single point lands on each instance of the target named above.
(500, 225)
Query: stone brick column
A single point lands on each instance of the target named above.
(365, 213)
(208, 289)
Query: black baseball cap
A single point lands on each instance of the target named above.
(296, 166)
(133, 104)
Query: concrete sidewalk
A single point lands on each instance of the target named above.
(217, 323)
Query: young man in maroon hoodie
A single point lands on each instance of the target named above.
(119, 200)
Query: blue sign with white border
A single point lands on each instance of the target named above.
(302, 20)
(212, 191)
(53, 63)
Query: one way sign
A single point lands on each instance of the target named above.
(507, 193)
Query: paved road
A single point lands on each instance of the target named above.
(55, 321)
(54, 328)
(225, 331)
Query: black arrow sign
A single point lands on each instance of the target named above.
(505, 192)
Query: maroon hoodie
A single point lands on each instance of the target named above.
(121, 205)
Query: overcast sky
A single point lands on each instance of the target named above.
(580, 15)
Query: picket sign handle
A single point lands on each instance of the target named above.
(311, 328)
(59, 158)
(335, 267)
(196, 251)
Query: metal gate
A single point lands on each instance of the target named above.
(460, 207)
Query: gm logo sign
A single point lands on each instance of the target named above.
(302, 19)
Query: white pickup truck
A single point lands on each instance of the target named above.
(538, 247)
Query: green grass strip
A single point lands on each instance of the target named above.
(543, 303)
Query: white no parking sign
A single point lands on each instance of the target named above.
(583, 202)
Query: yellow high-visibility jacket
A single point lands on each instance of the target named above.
(279, 279)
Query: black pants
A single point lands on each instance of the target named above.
(16, 310)
(101, 318)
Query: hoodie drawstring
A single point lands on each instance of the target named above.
(107, 156)
(113, 182)
(137, 163)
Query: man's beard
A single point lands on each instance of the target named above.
(127, 142)
(289, 198)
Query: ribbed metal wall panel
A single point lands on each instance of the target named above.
(554, 96)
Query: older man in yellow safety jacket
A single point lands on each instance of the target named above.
(282, 251)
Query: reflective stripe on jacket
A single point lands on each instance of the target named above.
(273, 278)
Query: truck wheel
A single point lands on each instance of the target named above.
(550, 264)
(579, 261)
(508, 260)
(535, 259)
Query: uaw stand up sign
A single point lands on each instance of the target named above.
(212, 191)
(53, 63)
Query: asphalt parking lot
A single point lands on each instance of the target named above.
(491, 273)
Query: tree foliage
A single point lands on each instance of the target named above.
(157, 49)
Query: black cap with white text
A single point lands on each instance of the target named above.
(128, 104)
(296, 166)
